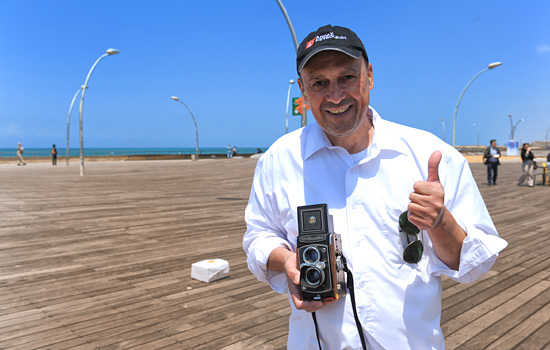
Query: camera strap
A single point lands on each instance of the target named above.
(349, 284)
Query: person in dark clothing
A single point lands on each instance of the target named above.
(528, 166)
(491, 159)
(54, 155)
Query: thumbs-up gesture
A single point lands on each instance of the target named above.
(427, 200)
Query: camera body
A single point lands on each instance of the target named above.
(319, 255)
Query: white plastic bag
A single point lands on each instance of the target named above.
(210, 270)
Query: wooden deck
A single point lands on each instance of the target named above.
(103, 262)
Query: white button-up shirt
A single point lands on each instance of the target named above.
(399, 304)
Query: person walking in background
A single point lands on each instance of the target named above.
(491, 159)
(54, 155)
(229, 152)
(234, 151)
(528, 166)
(20, 150)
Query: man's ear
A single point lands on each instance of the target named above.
(370, 76)
(301, 85)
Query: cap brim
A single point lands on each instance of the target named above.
(347, 50)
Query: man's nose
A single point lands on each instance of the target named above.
(336, 94)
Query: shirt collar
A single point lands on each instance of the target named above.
(383, 138)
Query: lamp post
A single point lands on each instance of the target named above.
(287, 102)
(490, 66)
(175, 98)
(514, 127)
(109, 52)
(444, 134)
(289, 22)
(69, 120)
(295, 41)
(477, 133)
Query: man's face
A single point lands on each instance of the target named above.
(494, 144)
(337, 88)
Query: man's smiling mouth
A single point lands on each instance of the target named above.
(337, 111)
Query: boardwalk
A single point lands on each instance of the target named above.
(103, 262)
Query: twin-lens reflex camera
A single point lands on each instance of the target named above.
(319, 255)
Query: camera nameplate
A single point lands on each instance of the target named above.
(312, 238)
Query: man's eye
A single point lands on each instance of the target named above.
(319, 83)
(349, 77)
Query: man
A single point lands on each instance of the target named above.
(491, 159)
(368, 171)
(20, 150)
(229, 152)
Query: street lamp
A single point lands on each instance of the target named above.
(175, 98)
(69, 120)
(444, 134)
(490, 66)
(287, 102)
(109, 52)
(514, 127)
(295, 41)
(477, 133)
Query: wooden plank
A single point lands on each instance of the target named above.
(104, 262)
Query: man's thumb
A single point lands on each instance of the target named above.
(433, 166)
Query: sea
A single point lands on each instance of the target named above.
(95, 152)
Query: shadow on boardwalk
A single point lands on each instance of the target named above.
(103, 262)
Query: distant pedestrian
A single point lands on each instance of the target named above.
(528, 166)
(54, 155)
(20, 150)
(258, 151)
(234, 151)
(229, 152)
(491, 159)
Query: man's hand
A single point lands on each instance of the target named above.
(283, 260)
(427, 211)
(427, 200)
(293, 277)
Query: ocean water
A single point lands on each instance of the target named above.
(75, 152)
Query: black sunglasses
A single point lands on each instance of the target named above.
(413, 248)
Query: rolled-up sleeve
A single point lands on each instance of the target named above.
(482, 244)
(264, 230)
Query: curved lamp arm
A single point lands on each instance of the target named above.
(490, 66)
(175, 98)
(84, 87)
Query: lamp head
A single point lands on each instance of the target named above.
(291, 82)
(175, 98)
(494, 65)
(112, 52)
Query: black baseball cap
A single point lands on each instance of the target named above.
(329, 38)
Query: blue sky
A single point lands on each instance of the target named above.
(231, 61)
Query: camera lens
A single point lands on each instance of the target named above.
(314, 276)
(311, 255)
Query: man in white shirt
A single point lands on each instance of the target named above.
(368, 171)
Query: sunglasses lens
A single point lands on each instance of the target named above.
(406, 225)
(413, 252)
